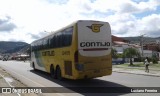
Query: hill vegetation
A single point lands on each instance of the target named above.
(138, 39)
(11, 47)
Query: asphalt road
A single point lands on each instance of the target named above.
(23, 72)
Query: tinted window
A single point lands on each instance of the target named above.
(68, 36)
(60, 39)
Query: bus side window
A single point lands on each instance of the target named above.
(68, 36)
(56, 41)
(60, 39)
(41, 44)
(47, 43)
(51, 41)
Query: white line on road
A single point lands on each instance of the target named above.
(27, 78)
(32, 81)
(9, 83)
(35, 82)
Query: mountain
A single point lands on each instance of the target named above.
(145, 39)
(12, 47)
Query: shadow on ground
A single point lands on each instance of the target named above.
(87, 87)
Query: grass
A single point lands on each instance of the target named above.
(128, 65)
(155, 66)
(138, 65)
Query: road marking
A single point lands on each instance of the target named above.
(33, 82)
(28, 79)
(9, 83)
(36, 83)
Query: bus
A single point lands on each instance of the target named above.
(80, 50)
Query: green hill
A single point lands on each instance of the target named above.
(11, 47)
(138, 39)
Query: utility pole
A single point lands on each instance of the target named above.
(142, 41)
(142, 44)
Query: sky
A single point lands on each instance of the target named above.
(29, 20)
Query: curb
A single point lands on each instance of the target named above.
(133, 68)
(137, 74)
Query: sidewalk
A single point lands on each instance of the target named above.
(7, 81)
(135, 70)
(4, 84)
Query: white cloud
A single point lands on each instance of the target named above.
(150, 25)
(125, 6)
(32, 17)
(6, 24)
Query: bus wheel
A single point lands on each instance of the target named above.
(59, 75)
(52, 72)
(34, 67)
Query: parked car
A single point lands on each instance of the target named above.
(118, 61)
(0, 57)
(5, 57)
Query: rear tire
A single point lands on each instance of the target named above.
(34, 67)
(52, 72)
(59, 74)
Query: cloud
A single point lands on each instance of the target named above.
(150, 25)
(4, 20)
(128, 7)
(28, 18)
(34, 36)
(125, 6)
(39, 35)
(57, 1)
(6, 25)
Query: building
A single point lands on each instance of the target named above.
(150, 49)
(115, 38)
(152, 46)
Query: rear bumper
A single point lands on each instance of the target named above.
(94, 73)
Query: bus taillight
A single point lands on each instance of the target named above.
(76, 57)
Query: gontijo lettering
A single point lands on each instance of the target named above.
(94, 44)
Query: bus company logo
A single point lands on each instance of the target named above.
(95, 27)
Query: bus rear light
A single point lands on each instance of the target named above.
(76, 57)
(80, 67)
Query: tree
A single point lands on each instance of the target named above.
(114, 53)
(130, 53)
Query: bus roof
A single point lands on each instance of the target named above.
(71, 24)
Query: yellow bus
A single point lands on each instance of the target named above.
(80, 50)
